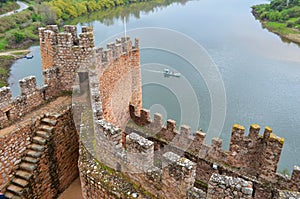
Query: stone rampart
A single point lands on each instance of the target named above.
(253, 156)
(13, 145)
(133, 156)
(120, 159)
(63, 53)
(30, 98)
(119, 77)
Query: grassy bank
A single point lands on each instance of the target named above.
(281, 17)
(8, 7)
(5, 62)
(18, 30)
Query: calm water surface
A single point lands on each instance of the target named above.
(261, 74)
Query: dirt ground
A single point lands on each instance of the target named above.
(73, 191)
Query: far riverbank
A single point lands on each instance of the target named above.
(287, 34)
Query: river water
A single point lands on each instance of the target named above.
(259, 73)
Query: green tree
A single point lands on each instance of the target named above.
(274, 16)
(47, 13)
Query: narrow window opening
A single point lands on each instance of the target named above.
(44, 95)
(7, 113)
(253, 192)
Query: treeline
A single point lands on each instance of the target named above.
(108, 17)
(65, 10)
(21, 29)
(283, 11)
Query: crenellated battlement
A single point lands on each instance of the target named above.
(115, 50)
(258, 154)
(141, 145)
(136, 158)
(252, 155)
(66, 52)
(28, 85)
(31, 97)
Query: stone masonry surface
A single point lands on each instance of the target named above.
(228, 187)
(123, 153)
(56, 167)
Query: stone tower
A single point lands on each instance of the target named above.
(63, 53)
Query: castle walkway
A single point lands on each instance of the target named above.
(52, 106)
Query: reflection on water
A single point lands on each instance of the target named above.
(261, 73)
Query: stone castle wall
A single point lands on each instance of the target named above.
(13, 144)
(228, 187)
(254, 152)
(175, 178)
(118, 68)
(146, 159)
(56, 167)
(253, 158)
(63, 53)
(120, 80)
(30, 98)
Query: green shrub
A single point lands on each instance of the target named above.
(22, 17)
(274, 16)
(36, 17)
(3, 43)
(19, 36)
(263, 15)
(294, 12)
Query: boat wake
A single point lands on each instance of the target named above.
(166, 72)
(153, 71)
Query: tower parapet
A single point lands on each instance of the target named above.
(119, 76)
(65, 53)
(258, 154)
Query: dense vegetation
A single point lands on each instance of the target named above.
(21, 29)
(7, 6)
(5, 61)
(281, 16)
(108, 17)
(74, 8)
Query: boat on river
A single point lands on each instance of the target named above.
(29, 56)
(168, 73)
